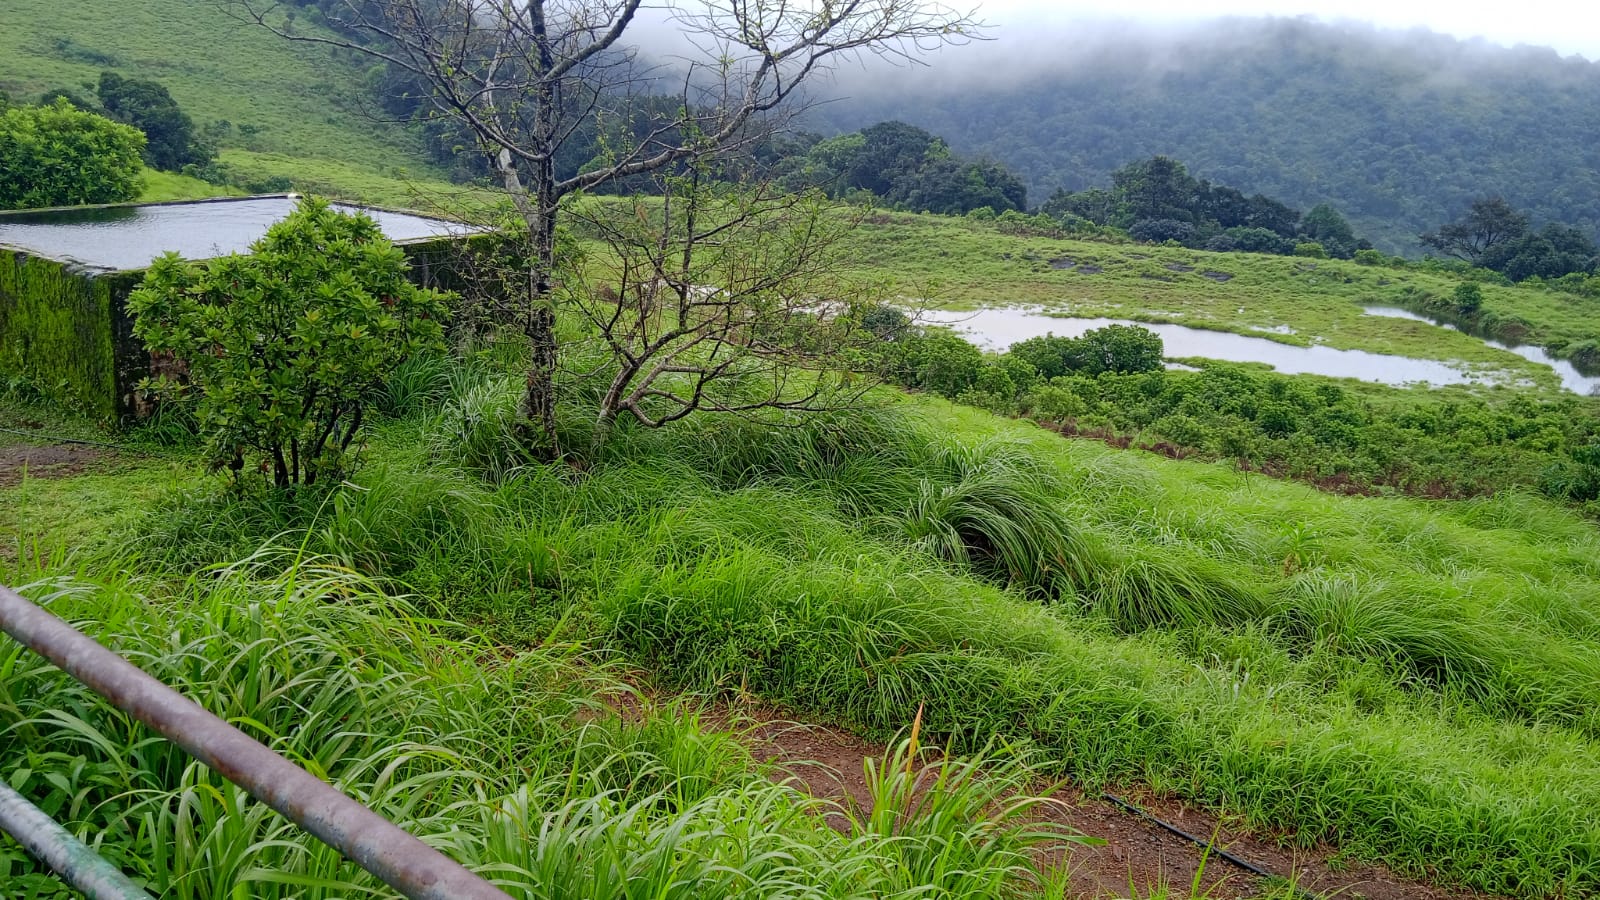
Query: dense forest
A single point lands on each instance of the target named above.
(1399, 131)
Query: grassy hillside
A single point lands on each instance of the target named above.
(292, 100)
(966, 265)
(1416, 682)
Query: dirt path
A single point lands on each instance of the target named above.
(828, 763)
(47, 461)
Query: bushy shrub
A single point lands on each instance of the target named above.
(59, 155)
(1259, 240)
(1156, 231)
(1114, 348)
(1310, 250)
(1121, 349)
(288, 344)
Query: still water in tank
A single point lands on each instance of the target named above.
(129, 237)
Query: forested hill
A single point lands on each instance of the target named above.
(1398, 130)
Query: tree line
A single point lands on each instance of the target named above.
(1401, 133)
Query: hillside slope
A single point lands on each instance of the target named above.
(962, 264)
(281, 99)
(1398, 130)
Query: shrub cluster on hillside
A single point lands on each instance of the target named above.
(1495, 236)
(1156, 201)
(903, 166)
(1111, 384)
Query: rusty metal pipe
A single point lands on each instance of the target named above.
(70, 858)
(369, 840)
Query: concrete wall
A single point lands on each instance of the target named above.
(61, 328)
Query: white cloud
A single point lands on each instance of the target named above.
(1570, 27)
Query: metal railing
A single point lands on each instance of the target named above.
(369, 840)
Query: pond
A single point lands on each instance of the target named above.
(129, 237)
(1571, 378)
(997, 329)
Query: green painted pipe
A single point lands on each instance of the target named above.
(54, 846)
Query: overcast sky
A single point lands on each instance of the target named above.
(1570, 26)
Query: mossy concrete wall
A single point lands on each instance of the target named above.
(66, 331)
(63, 330)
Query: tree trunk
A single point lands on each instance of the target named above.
(539, 326)
(539, 395)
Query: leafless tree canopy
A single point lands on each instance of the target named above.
(525, 76)
(718, 296)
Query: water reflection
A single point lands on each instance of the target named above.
(129, 237)
(997, 329)
(1571, 378)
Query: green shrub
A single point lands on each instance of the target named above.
(1310, 250)
(288, 344)
(59, 155)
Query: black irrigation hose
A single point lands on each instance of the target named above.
(1243, 864)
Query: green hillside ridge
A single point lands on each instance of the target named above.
(1398, 131)
(282, 99)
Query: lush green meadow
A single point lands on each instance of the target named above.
(1415, 682)
(965, 264)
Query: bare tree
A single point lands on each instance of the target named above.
(718, 296)
(524, 76)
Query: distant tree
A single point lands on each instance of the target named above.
(825, 165)
(59, 155)
(1156, 188)
(1489, 222)
(1097, 205)
(1324, 225)
(950, 187)
(1275, 217)
(1551, 252)
(48, 98)
(171, 143)
(1223, 205)
(1158, 231)
(890, 151)
(1259, 240)
(288, 344)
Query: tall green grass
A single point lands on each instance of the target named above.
(499, 757)
(1413, 681)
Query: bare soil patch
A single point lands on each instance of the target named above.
(828, 763)
(48, 461)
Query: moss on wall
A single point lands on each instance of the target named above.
(57, 330)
